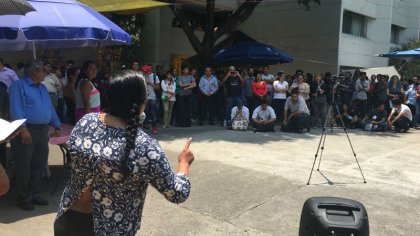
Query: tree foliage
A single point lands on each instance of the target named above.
(215, 29)
(407, 67)
(133, 25)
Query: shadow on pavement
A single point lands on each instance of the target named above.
(10, 211)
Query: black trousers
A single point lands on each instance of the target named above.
(207, 104)
(278, 106)
(185, 109)
(263, 128)
(73, 223)
(402, 124)
(30, 161)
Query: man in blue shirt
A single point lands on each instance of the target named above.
(208, 86)
(29, 100)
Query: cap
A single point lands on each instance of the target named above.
(146, 68)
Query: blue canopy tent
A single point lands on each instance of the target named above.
(252, 53)
(415, 53)
(59, 24)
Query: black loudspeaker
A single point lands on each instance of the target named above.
(331, 216)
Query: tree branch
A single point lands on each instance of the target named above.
(208, 38)
(187, 28)
(237, 17)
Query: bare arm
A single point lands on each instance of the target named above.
(85, 88)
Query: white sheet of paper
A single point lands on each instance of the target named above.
(7, 128)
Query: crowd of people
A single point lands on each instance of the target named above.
(294, 102)
(109, 148)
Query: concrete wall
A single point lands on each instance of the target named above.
(308, 36)
(381, 14)
(160, 41)
(312, 37)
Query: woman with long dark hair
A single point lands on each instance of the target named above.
(113, 162)
(88, 98)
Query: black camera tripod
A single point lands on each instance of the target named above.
(331, 106)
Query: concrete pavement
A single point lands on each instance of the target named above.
(255, 184)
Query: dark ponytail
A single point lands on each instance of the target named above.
(126, 93)
(130, 135)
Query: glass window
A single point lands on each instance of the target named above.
(395, 34)
(354, 24)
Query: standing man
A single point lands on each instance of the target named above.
(7, 78)
(153, 83)
(233, 82)
(29, 100)
(269, 80)
(247, 91)
(53, 85)
(360, 94)
(135, 66)
(208, 87)
(346, 89)
(186, 83)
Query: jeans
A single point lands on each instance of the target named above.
(152, 111)
(263, 128)
(402, 123)
(416, 119)
(319, 111)
(231, 102)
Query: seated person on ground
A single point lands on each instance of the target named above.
(296, 114)
(400, 116)
(239, 117)
(349, 117)
(263, 118)
(376, 119)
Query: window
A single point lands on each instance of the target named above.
(395, 34)
(354, 24)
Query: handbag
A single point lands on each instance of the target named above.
(240, 124)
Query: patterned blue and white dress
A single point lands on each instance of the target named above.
(96, 151)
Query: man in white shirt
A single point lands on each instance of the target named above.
(400, 116)
(53, 84)
(263, 118)
(239, 113)
(153, 83)
(296, 113)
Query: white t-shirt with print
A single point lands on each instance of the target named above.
(405, 110)
(260, 114)
(150, 89)
(282, 86)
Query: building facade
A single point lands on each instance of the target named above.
(338, 34)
